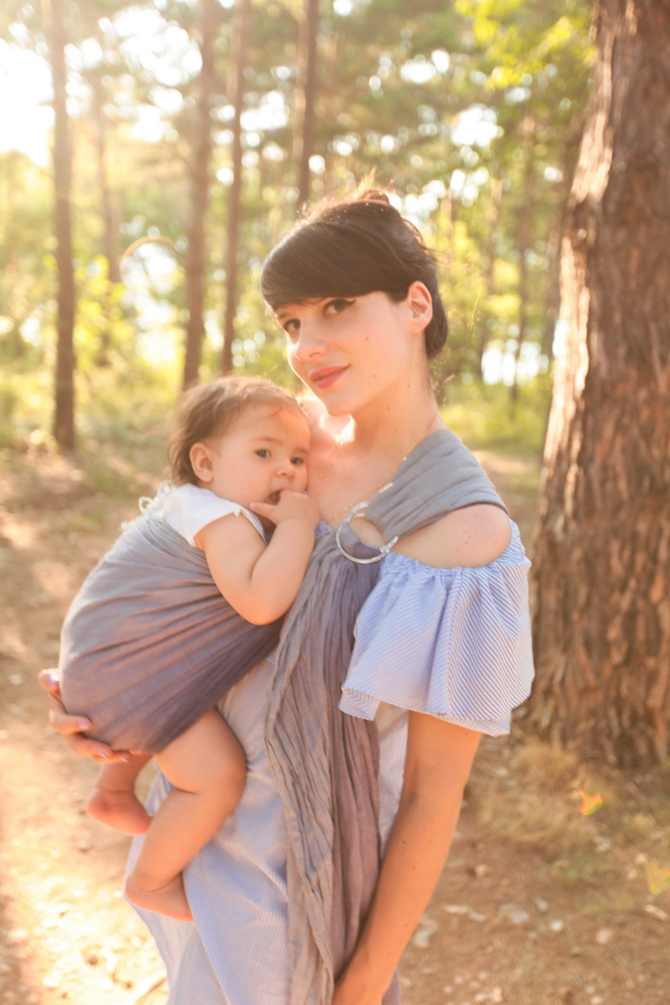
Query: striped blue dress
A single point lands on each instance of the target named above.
(452, 643)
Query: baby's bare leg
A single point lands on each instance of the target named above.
(207, 766)
(113, 800)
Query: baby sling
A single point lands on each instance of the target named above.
(149, 644)
(325, 762)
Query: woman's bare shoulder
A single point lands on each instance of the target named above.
(469, 537)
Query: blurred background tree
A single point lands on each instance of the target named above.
(196, 153)
(602, 546)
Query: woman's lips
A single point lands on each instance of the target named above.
(326, 376)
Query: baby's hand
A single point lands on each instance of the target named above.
(291, 506)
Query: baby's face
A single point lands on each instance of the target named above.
(263, 451)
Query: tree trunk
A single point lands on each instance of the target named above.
(201, 155)
(601, 579)
(330, 51)
(109, 226)
(235, 195)
(308, 37)
(552, 301)
(63, 420)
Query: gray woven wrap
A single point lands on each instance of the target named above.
(326, 762)
(149, 644)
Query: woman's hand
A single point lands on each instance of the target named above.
(73, 727)
(346, 993)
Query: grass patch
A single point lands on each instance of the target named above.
(640, 827)
(538, 806)
(542, 822)
(586, 867)
(601, 829)
(124, 470)
(25, 402)
(481, 414)
(547, 799)
(111, 403)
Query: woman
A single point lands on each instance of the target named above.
(414, 620)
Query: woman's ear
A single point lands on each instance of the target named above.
(420, 304)
(200, 456)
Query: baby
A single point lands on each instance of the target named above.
(186, 602)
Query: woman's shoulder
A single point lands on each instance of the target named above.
(469, 537)
(446, 631)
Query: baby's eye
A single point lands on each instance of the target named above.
(263, 452)
(297, 461)
(337, 305)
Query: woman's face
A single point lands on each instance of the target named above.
(351, 351)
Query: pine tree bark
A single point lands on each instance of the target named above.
(601, 580)
(63, 417)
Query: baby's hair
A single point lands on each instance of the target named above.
(210, 409)
(351, 248)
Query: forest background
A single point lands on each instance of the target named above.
(200, 129)
(175, 143)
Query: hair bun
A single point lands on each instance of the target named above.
(372, 195)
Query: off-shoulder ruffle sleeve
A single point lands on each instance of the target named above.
(455, 643)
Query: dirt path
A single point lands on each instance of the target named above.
(526, 913)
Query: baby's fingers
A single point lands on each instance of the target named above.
(268, 510)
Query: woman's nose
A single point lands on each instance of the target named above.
(309, 342)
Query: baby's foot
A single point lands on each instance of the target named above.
(169, 899)
(120, 809)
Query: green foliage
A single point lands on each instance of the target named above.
(471, 111)
(25, 401)
(481, 415)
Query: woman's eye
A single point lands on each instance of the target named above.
(291, 327)
(337, 306)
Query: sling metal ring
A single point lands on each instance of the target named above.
(383, 550)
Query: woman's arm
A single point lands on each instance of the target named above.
(438, 763)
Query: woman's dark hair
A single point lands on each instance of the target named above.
(351, 248)
(210, 409)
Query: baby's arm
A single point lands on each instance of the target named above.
(261, 580)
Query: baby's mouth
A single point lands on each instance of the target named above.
(273, 498)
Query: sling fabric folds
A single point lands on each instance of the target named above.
(325, 762)
(150, 644)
